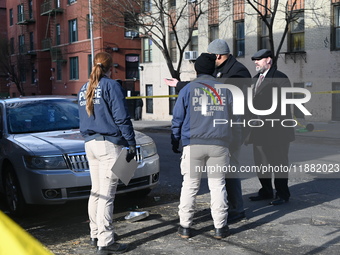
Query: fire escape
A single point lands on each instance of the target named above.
(26, 56)
(51, 42)
(25, 18)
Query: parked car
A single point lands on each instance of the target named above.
(42, 155)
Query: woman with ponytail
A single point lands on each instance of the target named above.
(107, 128)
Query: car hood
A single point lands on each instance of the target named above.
(56, 142)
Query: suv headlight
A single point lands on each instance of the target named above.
(45, 162)
(148, 149)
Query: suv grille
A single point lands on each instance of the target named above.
(78, 161)
(138, 157)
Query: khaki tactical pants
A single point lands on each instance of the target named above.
(102, 155)
(198, 160)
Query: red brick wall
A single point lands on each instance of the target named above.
(238, 6)
(300, 4)
(213, 12)
(3, 34)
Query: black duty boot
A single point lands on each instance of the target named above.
(112, 249)
(184, 232)
(221, 232)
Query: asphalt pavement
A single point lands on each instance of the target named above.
(308, 224)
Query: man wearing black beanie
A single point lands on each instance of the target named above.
(229, 71)
(205, 64)
(205, 145)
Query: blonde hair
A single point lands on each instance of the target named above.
(101, 65)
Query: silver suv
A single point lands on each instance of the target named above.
(42, 155)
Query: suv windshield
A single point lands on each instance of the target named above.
(42, 115)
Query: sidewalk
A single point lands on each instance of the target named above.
(329, 130)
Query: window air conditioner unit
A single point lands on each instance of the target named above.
(192, 1)
(190, 55)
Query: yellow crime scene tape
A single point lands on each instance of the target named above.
(327, 92)
(15, 240)
(136, 97)
(166, 96)
(305, 128)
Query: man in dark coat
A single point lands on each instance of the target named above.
(229, 71)
(270, 139)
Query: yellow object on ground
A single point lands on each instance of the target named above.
(16, 241)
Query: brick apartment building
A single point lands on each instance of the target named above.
(50, 43)
(51, 37)
(3, 34)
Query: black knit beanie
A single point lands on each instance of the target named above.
(205, 63)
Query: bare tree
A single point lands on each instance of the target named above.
(156, 19)
(12, 66)
(267, 11)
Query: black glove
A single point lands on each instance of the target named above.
(131, 153)
(175, 144)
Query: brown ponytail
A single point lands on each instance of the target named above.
(101, 65)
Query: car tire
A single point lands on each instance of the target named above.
(13, 195)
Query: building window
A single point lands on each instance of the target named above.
(194, 40)
(11, 45)
(73, 30)
(30, 9)
(89, 63)
(74, 68)
(264, 35)
(172, 3)
(213, 32)
(297, 32)
(23, 75)
(71, 1)
(147, 51)
(130, 26)
(131, 66)
(21, 44)
(88, 26)
(239, 49)
(146, 6)
(33, 74)
(59, 71)
(58, 33)
(22, 72)
(173, 47)
(31, 41)
(149, 101)
(336, 31)
(11, 17)
(20, 12)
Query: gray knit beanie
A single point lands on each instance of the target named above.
(218, 46)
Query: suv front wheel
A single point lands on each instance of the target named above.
(13, 194)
